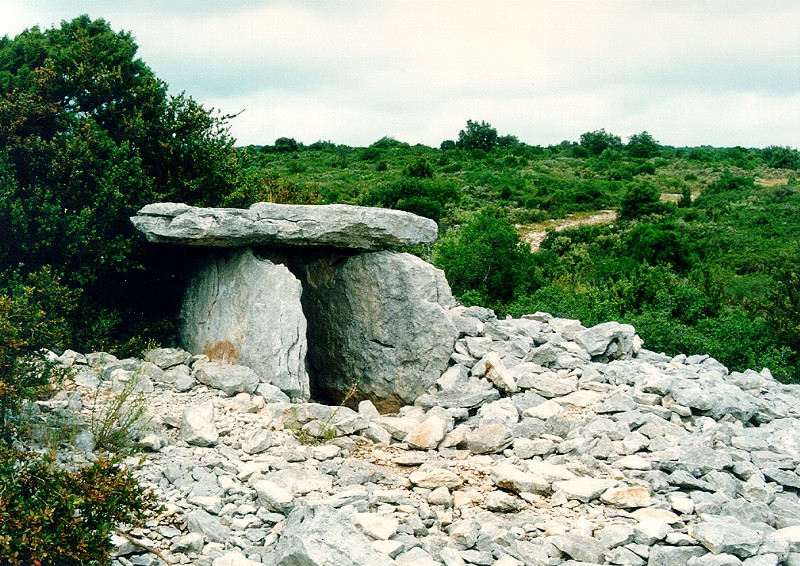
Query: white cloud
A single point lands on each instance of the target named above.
(691, 73)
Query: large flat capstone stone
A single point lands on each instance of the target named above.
(265, 223)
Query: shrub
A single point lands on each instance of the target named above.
(598, 141)
(286, 145)
(46, 511)
(780, 157)
(424, 197)
(642, 145)
(661, 243)
(477, 136)
(51, 514)
(272, 188)
(420, 169)
(485, 256)
(640, 199)
(32, 316)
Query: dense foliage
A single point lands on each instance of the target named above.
(87, 136)
(47, 510)
(702, 258)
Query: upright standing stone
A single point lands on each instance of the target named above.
(378, 321)
(245, 309)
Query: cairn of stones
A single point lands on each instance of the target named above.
(537, 441)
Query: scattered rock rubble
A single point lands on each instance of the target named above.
(544, 443)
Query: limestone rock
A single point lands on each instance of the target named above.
(436, 478)
(244, 309)
(228, 378)
(726, 534)
(378, 322)
(207, 525)
(257, 441)
(376, 526)
(273, 496)
(627, 496)
(467, 396)
(323, 536)
(510, 477)
(498, 375)
(608, 341)
(488, 439)
(166, 358)
(197, 425)
(265, 223)
(580, 547)
(428, 434)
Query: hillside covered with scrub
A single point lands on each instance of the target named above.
(702, 256)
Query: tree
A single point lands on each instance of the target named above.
(598, 141)
(486, 256)
(88, 135)
(640, 199)
(642, 145)
(779, 157)
(477, 136)
(286, 145)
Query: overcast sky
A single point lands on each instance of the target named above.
(697, 72)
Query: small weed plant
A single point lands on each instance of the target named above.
(327, 430)
(116, 418)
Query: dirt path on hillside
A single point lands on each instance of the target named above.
(535, 233)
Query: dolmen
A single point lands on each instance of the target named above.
(313, 298)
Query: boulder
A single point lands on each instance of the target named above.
(244, 309)
(378, 325)
(266, 223)
(608, 341)
(197, 425)
(322, 536)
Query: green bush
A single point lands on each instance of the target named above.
(598, 141)
(485, 256)
(88, 135)
(425, 197)
(477, 136)
(640, 199)
(659, 243)
(642, 145)
(780, 157)
(48, 512)
(51, 514)
(33, 315)
(420, 169)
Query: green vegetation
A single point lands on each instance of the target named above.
(702, 258)
(47, 510)
(88, 135)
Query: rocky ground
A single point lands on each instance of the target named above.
(544, 443)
